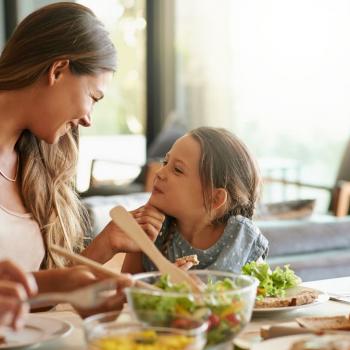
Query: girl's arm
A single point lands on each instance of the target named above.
(113, 240)
(133, 263)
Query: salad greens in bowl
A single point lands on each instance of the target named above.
(226, 302)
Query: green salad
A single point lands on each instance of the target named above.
(272, 283)
(226, 313)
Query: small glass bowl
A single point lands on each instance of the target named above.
(108, 331)
(227, 311)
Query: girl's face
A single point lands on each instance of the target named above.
(66, 103)
(177, 188)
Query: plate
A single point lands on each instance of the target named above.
(324, 323)
(322, 297)
(285, 343)
(36, 330)
(280, 343)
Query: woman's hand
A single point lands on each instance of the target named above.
(15, 288)
(113, 240)
(115, 301)
(71, 278)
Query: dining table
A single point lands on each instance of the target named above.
(250, 335)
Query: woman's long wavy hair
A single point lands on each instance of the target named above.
(227, 163)
(58, 31)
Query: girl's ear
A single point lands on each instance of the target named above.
(56, 70)
(219, 198)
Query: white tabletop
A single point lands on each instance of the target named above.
(75, 340)
(251, 333)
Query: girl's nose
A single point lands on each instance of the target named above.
(160, 173)
(85, 121)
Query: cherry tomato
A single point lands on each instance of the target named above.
(214, 321)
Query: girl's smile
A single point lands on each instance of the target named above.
(156, 190)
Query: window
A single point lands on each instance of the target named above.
(274, 72)
(119, 119)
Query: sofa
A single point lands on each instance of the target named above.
(317, 247)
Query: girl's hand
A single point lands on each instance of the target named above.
(150, 219)
(15, 287)
(113, 240)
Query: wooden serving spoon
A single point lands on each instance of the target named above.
(96, 266)
(128, 224)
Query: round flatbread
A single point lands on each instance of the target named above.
(301, 297)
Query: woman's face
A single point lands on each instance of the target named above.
(66, 102)
(177, 189)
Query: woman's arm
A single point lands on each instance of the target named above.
(69, 279)
(63, 279)
(133, 263)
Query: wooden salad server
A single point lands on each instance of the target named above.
(128, 224)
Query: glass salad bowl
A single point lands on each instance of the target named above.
(226, 302)
(112, 331)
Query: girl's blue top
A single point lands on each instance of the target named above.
(241, 242)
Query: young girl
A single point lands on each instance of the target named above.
(208, 186)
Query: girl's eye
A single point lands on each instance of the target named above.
(178, 170)
(94, 99)
(164, 162)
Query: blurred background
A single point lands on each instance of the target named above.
(274, 72)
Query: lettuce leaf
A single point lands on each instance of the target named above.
(272, 283)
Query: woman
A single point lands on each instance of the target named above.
(53, 70)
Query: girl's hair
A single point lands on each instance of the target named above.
(58, 31)
(226, 163)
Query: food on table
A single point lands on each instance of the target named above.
(276, 288)
(145, 340)
(189, 258)
(221, 303)
(300, 297)
(272, 283)
(116, 331)
(322, 323)
(325, 342)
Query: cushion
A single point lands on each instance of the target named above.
(319, 233)
(287, 210)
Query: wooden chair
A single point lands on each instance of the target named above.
(340, 192)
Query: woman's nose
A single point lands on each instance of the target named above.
(85, 121)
